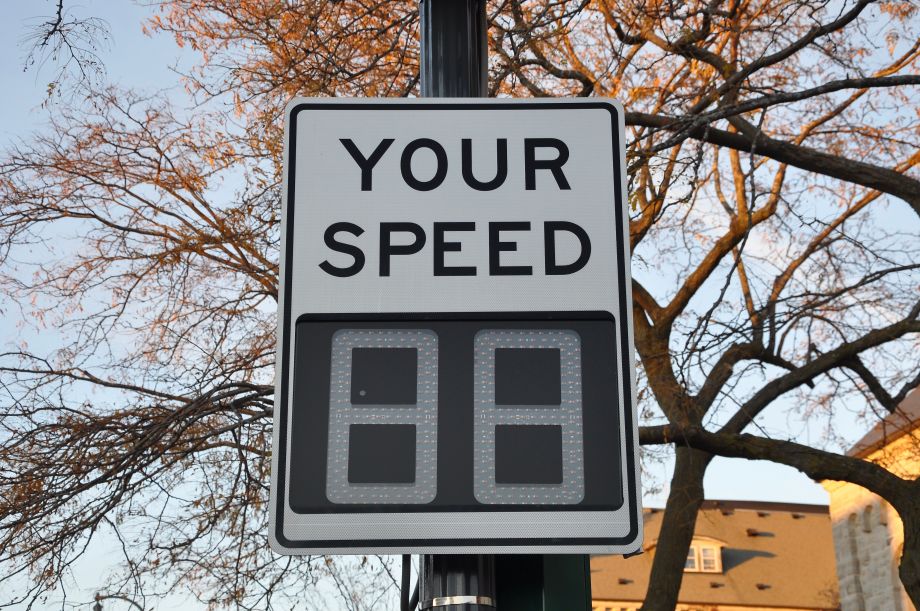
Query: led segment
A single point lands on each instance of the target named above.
(536, 425)
(346, 417)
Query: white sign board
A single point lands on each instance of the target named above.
(455, 367)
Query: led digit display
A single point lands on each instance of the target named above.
(455, 412)
(528, 417)
(352, 406)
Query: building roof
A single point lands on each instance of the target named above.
(903, 420)
(774, 555)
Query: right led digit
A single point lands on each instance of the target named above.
(528, 444)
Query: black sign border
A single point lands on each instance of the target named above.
(625, 349)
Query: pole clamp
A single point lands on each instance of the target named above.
(445, 601)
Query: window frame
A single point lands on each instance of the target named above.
(713, 558)
(699, 560)
(692, 556)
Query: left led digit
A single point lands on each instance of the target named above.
(383, 417)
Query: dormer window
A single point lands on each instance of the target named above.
(704, 557)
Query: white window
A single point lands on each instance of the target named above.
(691, 564)
(704, 557)
(708, 556)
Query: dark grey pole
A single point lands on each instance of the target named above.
(454, 55)
(454, 49)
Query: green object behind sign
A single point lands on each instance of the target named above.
(559, 582)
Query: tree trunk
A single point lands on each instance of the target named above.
(677, 526)
(909, 568)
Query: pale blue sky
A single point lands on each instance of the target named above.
(131, 59)
(136, 60)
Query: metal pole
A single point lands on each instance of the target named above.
(451, 582)
(454, 48)
(454, 61)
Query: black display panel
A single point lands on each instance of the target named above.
(455, 412)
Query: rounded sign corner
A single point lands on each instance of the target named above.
(614, 103)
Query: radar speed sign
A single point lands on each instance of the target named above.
(455, 355)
